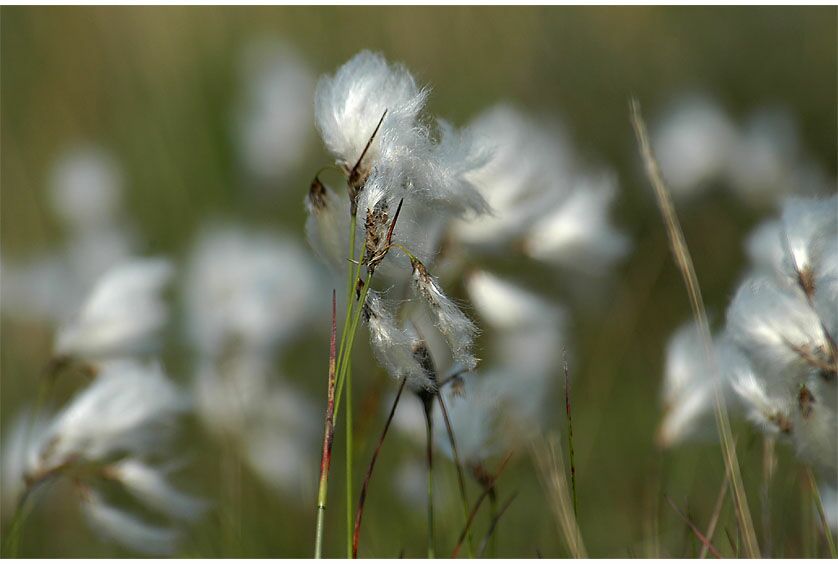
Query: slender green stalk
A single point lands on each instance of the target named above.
(11, 545)
(349, 424)
(350, 341)
(349, 457)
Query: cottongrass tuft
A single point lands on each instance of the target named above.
(106, 434)
(458, 329)
(123, 314)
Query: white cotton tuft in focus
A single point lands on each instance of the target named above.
(349, 104)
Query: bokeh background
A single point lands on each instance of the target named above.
(159, 89)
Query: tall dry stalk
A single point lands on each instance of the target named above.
(548, 458)
(684, 261)
(461, 482)
(714, 519)
(362, 499)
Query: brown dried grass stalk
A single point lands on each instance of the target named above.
(548, 458)
(684, 261)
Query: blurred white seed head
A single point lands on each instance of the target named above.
(250, 289)
(689, 388)
(508, 306)
(86, 188)
(770, 413)
(693, 143)
(150, 486)
(808, 226)
(763, 163)
(783, 319)
(281, 438)
(775, 327)
(828, 488)
(40, 289)
(577, 233)
(106, 433)
(529, 168)
(131, 407)
(815, 424)
(826, 285)
(274, 116)
(23, 439)
(228, 390)
(125, 528)
(123, 314)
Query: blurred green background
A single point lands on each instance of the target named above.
(157, 87)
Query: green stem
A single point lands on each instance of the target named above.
(12, 543)
(350, 341)
(350, 286)
(350, 521)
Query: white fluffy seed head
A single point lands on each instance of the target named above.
(440, 178)
(807, 226)
(529, 169)
(327, 225)
(123, 314)
(393, 346)
(459, 331)
(771, 414)
(815, 421)
(776, 328)
(349, 105)
(23, 440)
